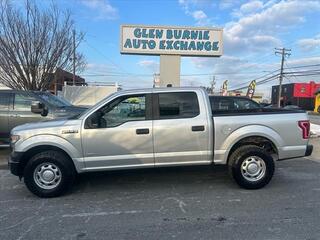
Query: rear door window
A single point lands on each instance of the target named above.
(178, 105)
(5, 99)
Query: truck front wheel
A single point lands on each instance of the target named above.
(251, 167)
(49, 174)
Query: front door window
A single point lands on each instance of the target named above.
(119, 111)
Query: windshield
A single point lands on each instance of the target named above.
(54, 100)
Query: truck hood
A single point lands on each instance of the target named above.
(67, 111)
(40, 125)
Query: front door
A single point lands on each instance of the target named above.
(5, 104)
(119, 134)
(180, 130)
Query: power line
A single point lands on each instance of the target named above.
(271, 78)
(107, 58)
(288, 68)
(247, 82)
(303, 66)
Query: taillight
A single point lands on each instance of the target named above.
(305, 127)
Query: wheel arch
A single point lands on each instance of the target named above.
(26, 156)
(256, 140)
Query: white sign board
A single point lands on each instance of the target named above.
(167, 40)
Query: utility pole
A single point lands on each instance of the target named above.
(284, 53)
(74, 57)
(213, 84)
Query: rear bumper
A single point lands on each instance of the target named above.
(309, 150)
(14, 163)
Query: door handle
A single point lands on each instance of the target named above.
(142, 131)
(197, 128)
(14, 115)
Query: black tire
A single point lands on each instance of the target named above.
(241, 158)
(61, 168)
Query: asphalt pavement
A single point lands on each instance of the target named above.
(168, 203)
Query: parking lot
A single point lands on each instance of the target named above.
(192, 203)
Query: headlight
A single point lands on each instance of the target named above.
(14, 138)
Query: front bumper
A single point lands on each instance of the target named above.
(15, 163)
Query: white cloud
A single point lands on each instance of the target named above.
(252, 6)
(226, 4)
(310, 44)
(199, 16)
(248, 8)
(103, 9)
(259, 31)
(281, 15)
(152, 65)
(100, 68)
(303, 61)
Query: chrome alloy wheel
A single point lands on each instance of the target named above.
(253, 168)
(47, 175)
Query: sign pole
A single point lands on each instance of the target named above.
(170, 70)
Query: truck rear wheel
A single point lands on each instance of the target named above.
(49, 174)
(251, 167)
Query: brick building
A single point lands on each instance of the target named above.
(61, 78)
(300, 94)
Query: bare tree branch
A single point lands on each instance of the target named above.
(34, 43)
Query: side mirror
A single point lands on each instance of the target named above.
(95, 121)
(39, 108)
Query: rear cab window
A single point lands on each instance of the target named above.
(233, 105)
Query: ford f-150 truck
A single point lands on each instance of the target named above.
(159, 127)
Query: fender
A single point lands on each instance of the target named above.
(243, 132)
(52, 140)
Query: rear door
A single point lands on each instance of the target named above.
(21, 111)
(180, 129)
(5, 101)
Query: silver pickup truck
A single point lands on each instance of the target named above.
(158, 128)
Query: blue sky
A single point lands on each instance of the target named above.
(252, 29)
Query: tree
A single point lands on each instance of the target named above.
(34, 43)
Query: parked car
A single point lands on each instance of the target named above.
(233, 104)
(19, 107)
(179, 127)
(293, 107)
